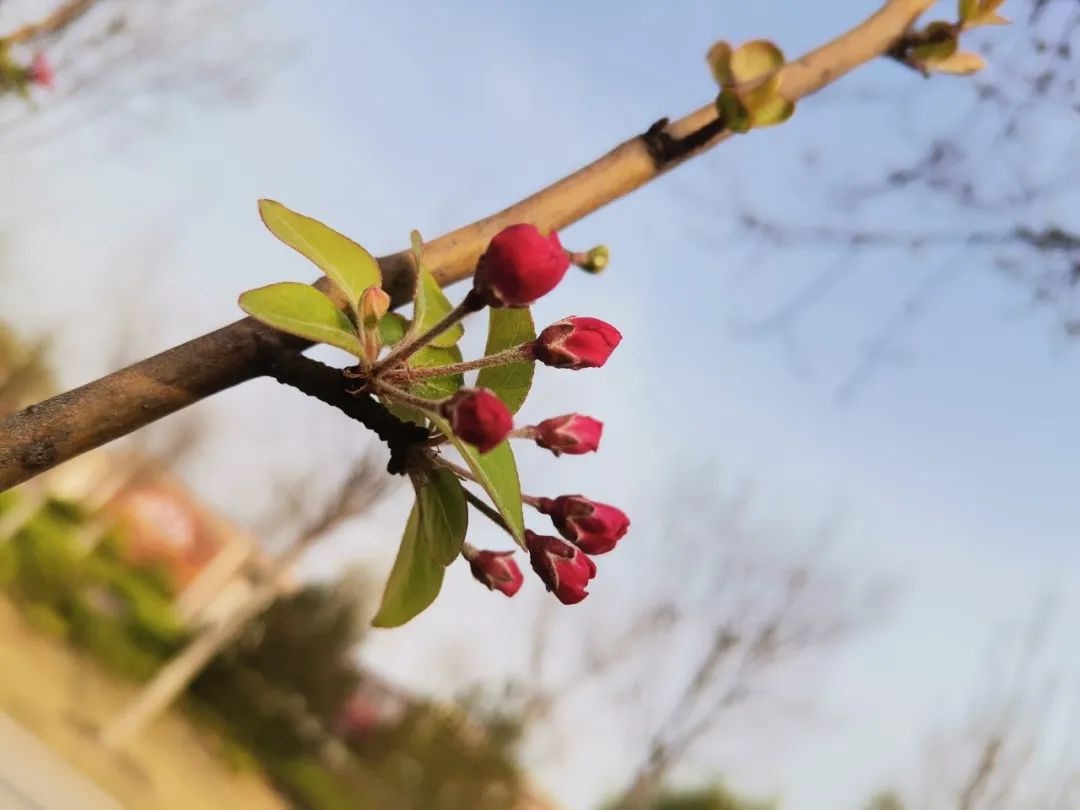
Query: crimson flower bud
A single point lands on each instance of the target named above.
(573, 434)
(479, 417)
(563, 568)
(40, 71)
(577, 342)
(519, 266)
(495, 569)
(593, 527)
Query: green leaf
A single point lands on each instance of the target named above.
(496, 471)
(415, 579)
(405, 413)
(719, 59)
(431, 303)
(974, 13)
(301, 310)
(351, 267)
(960, 63)
(736, 116)
(444, 515)
(776, 110)
(392, 328)
(755, 59)
(937, 41)
(436, 387)
(508, 327)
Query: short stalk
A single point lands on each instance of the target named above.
(456, 469)
(487, 511)
(515, 354)
(395, 394)
(527, 432)
(472, 303)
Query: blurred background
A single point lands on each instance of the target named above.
(843, 420)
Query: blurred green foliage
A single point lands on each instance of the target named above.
(275, 697)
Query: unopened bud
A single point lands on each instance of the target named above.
(595, 528)
(592, 261)
(495, 569)
(577, 342)
(519, 266)
(563, 568)
(374, 304)
(573, 434)
(479, 417)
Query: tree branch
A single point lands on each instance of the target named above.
(327, 384)
(54, 23)
(72, 423)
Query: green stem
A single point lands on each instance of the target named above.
(515, 354)
(456, 469)
(486, 510)
(408, 347)
(395, 394)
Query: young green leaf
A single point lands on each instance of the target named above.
(974, 13)
(508, 327)
(351, 267)
(436, 387)
(731, 108)
(392, 328)
(430, 303)
(776, 110)
(719, 59)
(960, 63)
(444, 515)
(937, 41)
(496, 471)
(301, 310)
(415, 579)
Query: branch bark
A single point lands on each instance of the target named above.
(58, 429)
(54, 23)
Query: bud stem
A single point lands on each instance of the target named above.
(515, 354)
(527, 432)
(472, 303)
(392, 392)
(481, 506)
(456, 469)
(485, 510)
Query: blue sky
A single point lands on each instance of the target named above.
(951, 473)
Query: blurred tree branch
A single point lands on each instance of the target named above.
(53, 23)
(1002, 167)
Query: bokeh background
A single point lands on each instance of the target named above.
(842, 419)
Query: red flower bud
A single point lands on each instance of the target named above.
(564, 569)
(495, 569)
(40, 71)
(593, 527)
(519, 266)
(573, 434)
(479, 417)
(577, 343)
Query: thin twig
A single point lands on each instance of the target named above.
(487, 511)
(54, 23)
